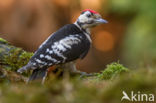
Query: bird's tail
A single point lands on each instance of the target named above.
(24, 68)
(38, 74)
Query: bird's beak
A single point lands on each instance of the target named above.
(101, 21)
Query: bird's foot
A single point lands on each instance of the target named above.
(84, 74)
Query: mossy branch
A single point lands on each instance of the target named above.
(11, 59)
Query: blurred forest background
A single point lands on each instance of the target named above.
(129, 37)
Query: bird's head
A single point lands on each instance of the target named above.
(89, 18)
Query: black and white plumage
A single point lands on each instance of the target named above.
(66, 45)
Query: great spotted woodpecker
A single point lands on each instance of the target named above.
(65, 46)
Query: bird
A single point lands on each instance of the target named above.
(64, 47)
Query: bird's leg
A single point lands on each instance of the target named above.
(44, 78)
(72, 69)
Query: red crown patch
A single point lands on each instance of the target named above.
(92, 11)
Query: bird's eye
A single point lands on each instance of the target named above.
(88, 15)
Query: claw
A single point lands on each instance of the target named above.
(84, 74)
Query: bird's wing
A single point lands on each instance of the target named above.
(61, 48)
(65, 50)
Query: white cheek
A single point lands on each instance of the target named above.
(83, 18)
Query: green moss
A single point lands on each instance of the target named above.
(17, 58)
(111, 71)
(69, 90)
(12, 58)
(137, 80)
(2, 41)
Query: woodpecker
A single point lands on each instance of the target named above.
(65, 46)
